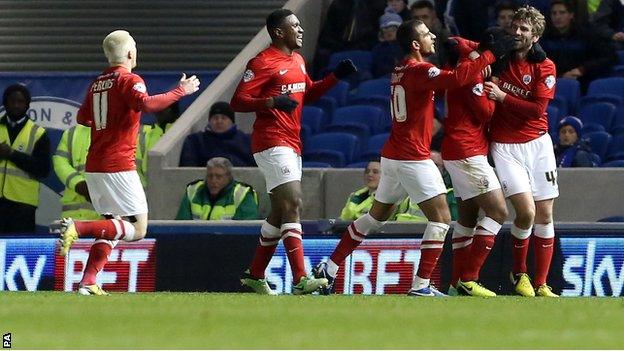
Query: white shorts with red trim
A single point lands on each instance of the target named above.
(119, 193)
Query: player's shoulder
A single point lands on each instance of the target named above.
(546, 66)
(424, 68)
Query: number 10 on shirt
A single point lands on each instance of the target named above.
(399, 108)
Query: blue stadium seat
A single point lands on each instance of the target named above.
(599, 142)
(570, 90)
(344, 143)
(313, 164)
(375, 144)
(620, 54)
(305, 133)
(362, 164)
(360, 130)
(313, 117)
(618, 119)
(612, 218)
(612, 85)
(374, 87)
(617, 130)
(592, 127)
(615, 150)
(328, 104)
(596, 161)
(339, 92)
(371, 116)
(617, 71)
(601, 113)
(614, 163)
(561, 104)
(592, 99)
(331, 157)
(553, 120)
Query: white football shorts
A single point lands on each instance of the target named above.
(421, 180)
(527, 167)
(119, 193)
(279, 165)
(471, 176)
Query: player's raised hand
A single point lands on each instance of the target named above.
(190, 84)
(284, 103)
(344, 69)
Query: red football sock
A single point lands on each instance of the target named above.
(98, 256)
(346, 245)
(543, 250)
(519, 252)
(261, 260)
(102, 229)
(428, 261)
(461, 256)
(294, 251)
(481, 247)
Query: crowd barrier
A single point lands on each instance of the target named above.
(188, 256)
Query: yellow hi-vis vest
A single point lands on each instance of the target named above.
(15, 184)
(69, 165)
(220, 210)
(146, 139)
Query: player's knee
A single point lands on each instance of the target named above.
(497, 213)
(140, 226)
(525, 217)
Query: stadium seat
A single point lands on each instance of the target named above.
(370, 116)
(313, 164)
(305, 133)
(361, 164)
(612, 85)
(313, 117)
(617, 130)
(344, 143)
(617, 71)
(599, 142)
(570, 90)
(553, 120)
(620, 54)
(596, 161)
(360, 130)
(374, 87)
(614, 163)
(615, 150)
(592, 99)
(375, 144)
(331, 157)
(328, 104)
(601, 113)
(561, 104)
(592, 127)
(612, 218)
(339, 92)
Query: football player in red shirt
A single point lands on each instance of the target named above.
(464, 150)
(523, 152)
(112, 108)
(275, 85)
(406, 166)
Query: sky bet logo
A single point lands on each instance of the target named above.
(593, 266)
(25, 263)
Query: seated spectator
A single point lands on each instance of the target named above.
(609, 20)
(387, 53)
(577, 51)
(425, 11)
(504, 13)
(220, 139)
(399, 7)
(218, 196)
(360, 201)
(571, 150)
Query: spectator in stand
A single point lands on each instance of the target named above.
(399, 7)
(425, 11)
(577, 51)
(387, 53)
(24, 160)
(220, 139)
(349, 25)
(504, 13)
(571, 150)
(469, 18)
(609, 19)
(218, 196)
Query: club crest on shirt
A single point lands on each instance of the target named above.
(526, 79)
(550, 81)
(478, 89)
(303, 68)
(433, 72)
(248, 75)
(140, 87)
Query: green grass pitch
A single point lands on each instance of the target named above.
(233, 321)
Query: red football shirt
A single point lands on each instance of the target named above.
(412, 85)
(273, 72)
(112, 108)
(465, 126)
(525, 81)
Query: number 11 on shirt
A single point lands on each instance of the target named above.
(100, 109)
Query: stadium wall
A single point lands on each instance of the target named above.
(186, 256)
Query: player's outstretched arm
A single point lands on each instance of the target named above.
(155, 103)
(315, 90)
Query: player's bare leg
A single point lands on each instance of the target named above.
(521, 231)
(493, 205)
(350, 239)
(543, 245)
(437, 212)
